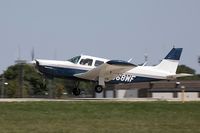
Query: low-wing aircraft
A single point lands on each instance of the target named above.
(103, 71)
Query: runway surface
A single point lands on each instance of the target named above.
(91, 99)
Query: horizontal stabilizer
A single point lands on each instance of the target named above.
(179, 75)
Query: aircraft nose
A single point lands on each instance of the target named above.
(37, 63)
(33, 62)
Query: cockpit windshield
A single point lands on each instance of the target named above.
(75, 59)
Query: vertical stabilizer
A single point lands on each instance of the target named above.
(170, 62)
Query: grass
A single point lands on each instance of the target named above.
(100, 117)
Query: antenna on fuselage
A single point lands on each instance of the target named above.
(19, 52)
(145, 58)
(32, 54)
(130, 59)
(55, 54)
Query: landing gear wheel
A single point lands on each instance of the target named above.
(98, 89)
(76, 91)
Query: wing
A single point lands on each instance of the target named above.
(108, 70)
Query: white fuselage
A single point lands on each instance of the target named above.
(69, 69)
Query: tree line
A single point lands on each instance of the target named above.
(34, 83)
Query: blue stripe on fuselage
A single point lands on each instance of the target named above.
(134, 80)
(60, 72)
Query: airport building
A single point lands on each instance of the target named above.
(159, 90)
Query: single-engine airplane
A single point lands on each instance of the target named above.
(103, 71)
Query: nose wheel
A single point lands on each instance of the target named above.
(76, 91)
(98, 89)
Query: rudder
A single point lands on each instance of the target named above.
(174, 54)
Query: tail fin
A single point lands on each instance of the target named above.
(170, 62)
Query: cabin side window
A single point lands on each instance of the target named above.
(98, 63)
(86, 62)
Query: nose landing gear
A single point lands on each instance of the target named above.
(76, 91)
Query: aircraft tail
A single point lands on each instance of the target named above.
(171, 61)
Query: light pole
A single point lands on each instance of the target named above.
(183, 93)
(21, 77)
(199, 59)
(3, 84)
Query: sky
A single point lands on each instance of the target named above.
(113, 29)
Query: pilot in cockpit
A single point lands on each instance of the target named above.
(86, 62)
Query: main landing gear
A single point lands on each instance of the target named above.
(98, 88)
(76, 91)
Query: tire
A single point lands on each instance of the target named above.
(76, 91)
(98, 89)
